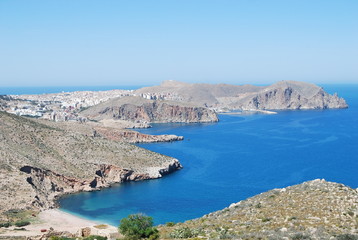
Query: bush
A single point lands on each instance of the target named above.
(170, 224)
(61, 238)
(184, 232)
(95, 237)
(5, 224)
(137, 226)
(22, 223)
(347, 237)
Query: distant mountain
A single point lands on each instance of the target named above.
(279, 96)
(39, 162)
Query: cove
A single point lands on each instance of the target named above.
(236, 158)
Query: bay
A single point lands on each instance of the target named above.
(236, 158)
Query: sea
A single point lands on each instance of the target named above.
(58, 89)
(234, 159)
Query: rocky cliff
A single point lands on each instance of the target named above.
(40, 162)
(292, 95)
(312, 210)
(279, 96)
(138, 109)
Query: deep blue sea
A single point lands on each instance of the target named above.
(58, 89)
(236, 158)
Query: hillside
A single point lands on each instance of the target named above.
(40, 162)
(312, 210)
(222, 97)
(138, 109)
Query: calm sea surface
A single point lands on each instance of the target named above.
(43, 90)
(236, 158)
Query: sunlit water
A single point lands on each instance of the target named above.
(236, 158)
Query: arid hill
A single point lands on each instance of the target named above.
(138, 109)
(312, 210)
(279, 96)
(39, 162)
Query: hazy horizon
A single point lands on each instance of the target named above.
(129, 86)
(142, 43)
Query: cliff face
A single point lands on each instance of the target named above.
(40, 162)
(312, 210)
(138, 109)
(47, 185)
(292, 95)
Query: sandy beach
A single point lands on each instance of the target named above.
(58, 220)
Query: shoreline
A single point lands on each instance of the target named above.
(60, 221)
(248, 111)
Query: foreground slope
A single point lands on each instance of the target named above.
(312, 210)
(279, 96)
(39, 162)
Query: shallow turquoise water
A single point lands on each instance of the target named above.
(236, 158)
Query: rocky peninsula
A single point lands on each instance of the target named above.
(283, 95)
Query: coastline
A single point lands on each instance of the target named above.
(60, 221)
(248, 111)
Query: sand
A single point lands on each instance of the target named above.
(58, 220)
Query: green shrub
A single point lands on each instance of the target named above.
(300, 236)
(5, 224)
(347, 237)
(61, 238)
(169, 224)
(137, 226)
(266, 219)
(184, 232)
(95, 237)
(22, 223)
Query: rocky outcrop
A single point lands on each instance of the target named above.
(49, 185)
(137, 109)
(292, 95)
(134, 137)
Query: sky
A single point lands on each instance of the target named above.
(143, 42)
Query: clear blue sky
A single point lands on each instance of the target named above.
(143, 42)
